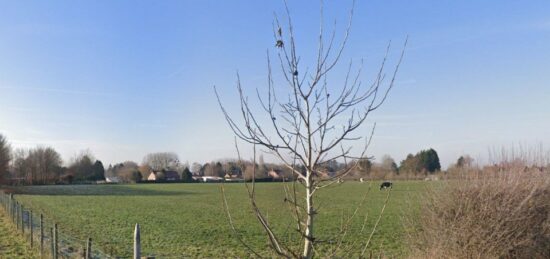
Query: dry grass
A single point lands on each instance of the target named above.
(12, 244)
(486, 215)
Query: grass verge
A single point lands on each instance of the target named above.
(12, 244)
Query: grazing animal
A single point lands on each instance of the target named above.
(386, 185)
(361, 179)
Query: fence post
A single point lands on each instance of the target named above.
(89, 249)
(31, 228)
(11, 205)
(41, 235)
(17, 212)
(14, 218)
(137, 243)
(22, 219)
(55, 241)
(52, 246)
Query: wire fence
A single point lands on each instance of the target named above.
(45, 235)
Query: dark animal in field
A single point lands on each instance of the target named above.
(386, 185)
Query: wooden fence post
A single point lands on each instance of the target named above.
(137, 243)
(22, 219)
(52, 246)
(17, 212)
(14, 218)
(41, 235)
(11, 205)
(31, 228)
(89, 249)
(55, 241)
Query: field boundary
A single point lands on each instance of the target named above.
(44, 234)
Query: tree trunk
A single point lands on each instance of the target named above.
(308, 242)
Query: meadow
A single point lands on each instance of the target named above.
(189, 220)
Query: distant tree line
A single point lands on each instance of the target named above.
(5, 157)
(84, 167)
(43, 165)
(425, 161)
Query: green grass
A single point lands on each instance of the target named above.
(12, 243)
(189, 220)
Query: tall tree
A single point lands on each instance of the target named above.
(388, 164)
(365, 166)
(186, 175)
(429, 160)
(424, 161)
(196, 168)
(161, 160)
(5, 158)
(128, 172)
(409, 164)
(81, 167)
(306, 123)
(98, 171)
(41, 165)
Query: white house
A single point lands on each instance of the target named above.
(207, 179)
(111, 179)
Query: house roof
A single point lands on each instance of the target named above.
(171, 174)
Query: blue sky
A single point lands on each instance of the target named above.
(125, 78)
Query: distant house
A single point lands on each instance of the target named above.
(232, 178)
(274, 174)
(111, 179)
(208, 179)
(170, 176)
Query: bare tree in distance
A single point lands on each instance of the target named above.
(161, 160)
(40, 165)
(5, 158)
(196, 168)
(306, 123)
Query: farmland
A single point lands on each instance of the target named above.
(188, 220)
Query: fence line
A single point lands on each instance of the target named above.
(52, 243)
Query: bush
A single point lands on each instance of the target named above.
(486, 215)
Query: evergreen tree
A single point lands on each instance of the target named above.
(423, 161)
(98, 171)
(428, 160)
(186, 175)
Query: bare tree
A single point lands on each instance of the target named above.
(304, 129)
(161, 160)
(196, 168)
(40, 165)
(5, 157)
(47, 163)
(127, 171)
(82, 165)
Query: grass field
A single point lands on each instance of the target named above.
(188, 220)
(12, 244)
